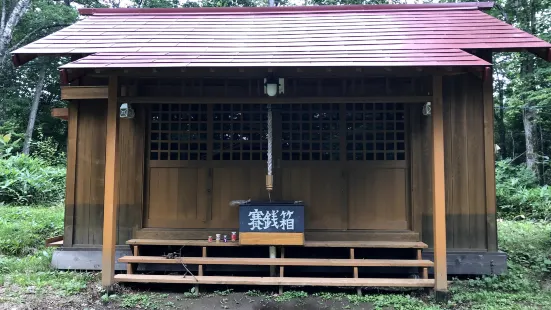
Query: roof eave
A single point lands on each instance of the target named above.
(543, 53)
(293, 9)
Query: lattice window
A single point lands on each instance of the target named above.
(240, 132)
(310, 131)
(178, 132)
(375, 131)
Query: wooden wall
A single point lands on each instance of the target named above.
(86, 169)
(464, 118)
(469, 226)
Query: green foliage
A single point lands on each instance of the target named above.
(518, 194)
(35, 271)
(289, 295)
(47, 149)
(254, 293)
(528, 247)
(392, 301)
(222, 293)
(23, 230)
(331, 296)
(143, 301)
(7, 145)
(26, 180)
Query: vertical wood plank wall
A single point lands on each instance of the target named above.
(466, 213)
(465, 163)
(87, 209)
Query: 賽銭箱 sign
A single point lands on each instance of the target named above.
(271, 224)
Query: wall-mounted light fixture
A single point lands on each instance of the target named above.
(126, 111)
(273, 86)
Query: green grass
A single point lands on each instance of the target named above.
(143, 301)
(528, 245)
(24, 260)
(25, 263)
(289, 295)
(23, 230)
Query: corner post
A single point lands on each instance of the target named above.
(110, 193)
(438, 188)
(489, 159)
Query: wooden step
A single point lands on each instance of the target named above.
(278, 261)
(201, 234)
(290, 281)
(317, 244)
(367, 244)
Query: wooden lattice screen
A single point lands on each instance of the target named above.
(309, 132)
(178, 132)
(375, 131)
(239, 132)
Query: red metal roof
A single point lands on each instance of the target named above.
(292, 9)
(367, 35)
(441, 57)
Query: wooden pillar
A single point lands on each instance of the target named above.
(438, 188)
(489, 159)
(70, 187)
(111, 193)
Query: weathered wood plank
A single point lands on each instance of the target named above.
(111, 190)
(275, 238)
(383, 193)
(70, 179)
(350, 282)
(273, 100)
(84, 162)
(460, 165)
(476, 167)
(322, 244)
(439, 188)
(97, 148)
(279, 261)
(84, 92)
(489, 159)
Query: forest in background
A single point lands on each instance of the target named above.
(522, 97)
(33, 157)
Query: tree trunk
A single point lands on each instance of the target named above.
(6, 30)
(529, 118)
(530, 135)
(501, 119)
(34, 110)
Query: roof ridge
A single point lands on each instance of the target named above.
(291, 9)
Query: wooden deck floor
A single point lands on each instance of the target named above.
(317, 244)
(285, 281)
(279, 278)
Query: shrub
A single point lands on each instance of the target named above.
(26, 180)
(527, 244)
(24, 230)
(47, 149)
(518, 194)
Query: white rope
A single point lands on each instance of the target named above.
(270, 139)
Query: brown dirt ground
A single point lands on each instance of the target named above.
(174, 297)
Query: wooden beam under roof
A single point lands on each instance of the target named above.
(83, 92)
(61, 113)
